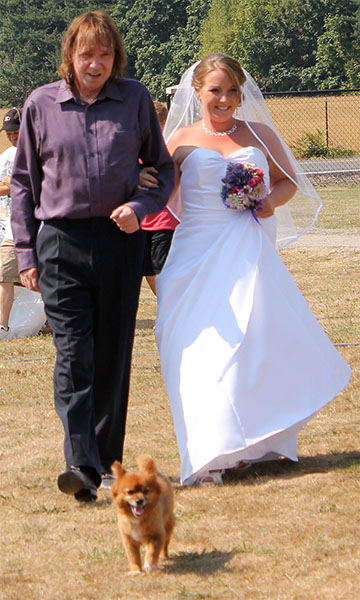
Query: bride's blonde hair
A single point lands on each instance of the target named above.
(218, 60)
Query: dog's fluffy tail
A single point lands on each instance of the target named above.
(147, 464)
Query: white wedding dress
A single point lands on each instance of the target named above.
(244, 361)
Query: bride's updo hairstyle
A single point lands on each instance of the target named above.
(215, 61)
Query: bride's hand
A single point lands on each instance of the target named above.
(281, 191)
(267, 210)
(146, 180)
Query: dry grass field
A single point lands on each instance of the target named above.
(283, 531)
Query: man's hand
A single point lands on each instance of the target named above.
(30, 278)
(125, 218)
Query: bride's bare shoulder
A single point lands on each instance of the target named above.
(265, 132)
(182, 135)
(183, 142)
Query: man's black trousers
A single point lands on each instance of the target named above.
(90, 276)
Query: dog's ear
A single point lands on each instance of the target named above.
(146, 464)
(117, 469)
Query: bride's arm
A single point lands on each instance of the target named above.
(147, 175)
(282, 188)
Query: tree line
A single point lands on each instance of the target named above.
(285, 44)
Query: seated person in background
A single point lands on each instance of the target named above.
(8, 262)
(159, 227)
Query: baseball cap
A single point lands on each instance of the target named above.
(11, 120)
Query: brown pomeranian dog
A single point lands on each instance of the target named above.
(145, 512)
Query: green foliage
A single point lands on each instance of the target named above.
(284, 44)
(289, 44)
(313, 145)
(336, 61)
(218, 30)
(146, 26)
(162, 40)
(185, 46)
(30, 39)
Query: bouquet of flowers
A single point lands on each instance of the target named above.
(243, 187)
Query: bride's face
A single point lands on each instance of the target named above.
(219, 96)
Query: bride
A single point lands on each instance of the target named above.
(244, 361)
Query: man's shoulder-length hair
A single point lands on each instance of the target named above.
(89, 29)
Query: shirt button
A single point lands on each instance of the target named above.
(92, 155)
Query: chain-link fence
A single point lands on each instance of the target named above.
(323, 130)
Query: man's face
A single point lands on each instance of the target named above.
(92, 68)
(12, 136)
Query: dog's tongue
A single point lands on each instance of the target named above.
(137, 510)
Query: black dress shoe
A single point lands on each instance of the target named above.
(77, 482)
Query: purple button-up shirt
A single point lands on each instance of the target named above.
(76, 160)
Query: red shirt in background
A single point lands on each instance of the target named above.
(160, 220)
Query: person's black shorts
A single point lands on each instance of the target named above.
(157, 247)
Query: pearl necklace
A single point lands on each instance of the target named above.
(219, 133)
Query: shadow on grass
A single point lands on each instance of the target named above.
(201, 563)
(287, 469)
(145, 323)
(104, 501)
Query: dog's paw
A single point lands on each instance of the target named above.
(131, 573)
(149, 568)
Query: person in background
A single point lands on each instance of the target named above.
(9, 274)
(77, 170)
(159, 227)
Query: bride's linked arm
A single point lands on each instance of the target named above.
(146, 179)
(147, 175)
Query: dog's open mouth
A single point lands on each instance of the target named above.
(137, 511)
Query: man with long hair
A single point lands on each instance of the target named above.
(77, 171)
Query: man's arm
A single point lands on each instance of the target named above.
(5, 186)
(153, 153)
(4, 172)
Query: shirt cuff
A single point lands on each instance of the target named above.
(27, 258)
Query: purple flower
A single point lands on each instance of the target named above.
(243, 187)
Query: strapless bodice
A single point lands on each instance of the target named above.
(201, 174)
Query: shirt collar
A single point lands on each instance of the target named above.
(110, 90)
(64, 92)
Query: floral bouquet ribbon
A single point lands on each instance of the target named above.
(243, 187)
